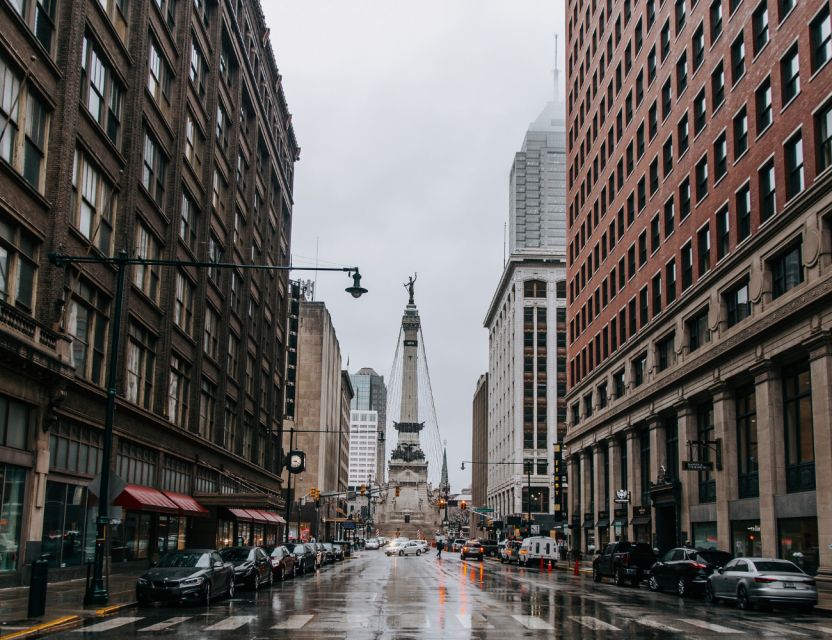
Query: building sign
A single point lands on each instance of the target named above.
(694, 465)
(641, 512)
(622, 496)
(411, 343)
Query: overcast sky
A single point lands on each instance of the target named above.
(408, 115)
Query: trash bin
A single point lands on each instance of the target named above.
(37, 586)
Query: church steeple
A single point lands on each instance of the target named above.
(444, 484)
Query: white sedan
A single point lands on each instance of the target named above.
(409, 548)
(372, 543)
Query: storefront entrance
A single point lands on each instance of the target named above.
(666, 537)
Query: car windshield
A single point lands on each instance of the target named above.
(777, 566)
(184, 559)
(277, 552)
(235, 554)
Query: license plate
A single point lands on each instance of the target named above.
(788, 585)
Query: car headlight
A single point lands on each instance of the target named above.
(192, 582)
(142, 582)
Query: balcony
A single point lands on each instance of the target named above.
(28, 339)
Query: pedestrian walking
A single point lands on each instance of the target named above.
(440, 544)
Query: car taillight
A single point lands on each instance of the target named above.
(482, 550)
(765, 580)
(698, 565)
(465, 548)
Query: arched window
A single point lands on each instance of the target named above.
(534, 289)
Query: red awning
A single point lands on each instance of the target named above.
(187, 505)
(137, 497)
(258, 516)
(272, 517)
(241, 514)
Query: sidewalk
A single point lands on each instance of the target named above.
(64, 606)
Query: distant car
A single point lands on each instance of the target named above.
(192, 575)
(685, 570)
(492, 548)
(320, 553)
(283, 563)
(337, 550)
(457, 544)
(472, 549)
(395, 546)
(345, 545)
(510, 552)
(622, 561)
(305, 556)
(762, 582)
(409, 548)
(423, 544)
(252, 566)
(372, 544)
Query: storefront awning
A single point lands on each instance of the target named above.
(257, 516)
(269, 516)
(187, 505)
(640, 520)
(620, 521)
(139, 498)
(241, 514)
(603, 523)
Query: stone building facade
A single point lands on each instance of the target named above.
(162, 129)
(700, 269)
(479, 443)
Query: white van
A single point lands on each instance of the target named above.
(537, 547)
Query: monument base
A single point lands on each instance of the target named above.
(413, 510)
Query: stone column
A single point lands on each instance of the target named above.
(614, 456)
(686, 419)
(599, 480)
(633, 476)
(771, 449)
(574, 495)
(586, 489)
(658, 457)
(820, 362)
(725, 429)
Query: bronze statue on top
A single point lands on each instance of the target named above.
(409, 286)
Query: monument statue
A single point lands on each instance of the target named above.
(409, 286)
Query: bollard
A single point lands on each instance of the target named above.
(550, 565)
(37, 587)
(577, 571)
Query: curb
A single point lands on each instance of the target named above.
(65, 622)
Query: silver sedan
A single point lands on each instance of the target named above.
(762, 582)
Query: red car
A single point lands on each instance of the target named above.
(283, 563)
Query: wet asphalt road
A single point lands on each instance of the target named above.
(373, 596)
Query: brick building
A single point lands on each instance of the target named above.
(700, 269)
(479, 443)
(158, 128)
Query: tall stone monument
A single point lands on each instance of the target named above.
(413, 509)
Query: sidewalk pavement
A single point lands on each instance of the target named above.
(64, 606)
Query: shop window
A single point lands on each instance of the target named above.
(705, 432)
(705, 536)
(75, 447)
(746, 539)
(12, 480)
(68, 525)
(747, 456)
(797, 540)
(130, 539)
(799, 430)
(170, 535)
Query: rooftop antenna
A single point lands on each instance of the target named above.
(557, 72)
(315, 282)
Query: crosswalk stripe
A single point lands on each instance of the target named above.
(655, 624)
(710, 626)
(161, 626)
(533, 622)
(230, 623)
(106, 625)
(811, 627)
(295, 621)
(594, 623)
(412, 621)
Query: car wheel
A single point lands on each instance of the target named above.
(742, 599)
(207, 594)
(231, 588)
(401, 553)
(681, 587)
(653, 584)
(418, 552)
(596, 575)
(710, 596)
(617, 577)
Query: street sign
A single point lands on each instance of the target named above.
(484, 510)
(697, 466)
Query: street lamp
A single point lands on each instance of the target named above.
(97, 592)
(528, 466)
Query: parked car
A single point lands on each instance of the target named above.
(685, 570)
(624, 561)
(305, 556)
(372, 544)
(320, 553)
(535, 548)
(491, 547)
(283, 563)
(762, 582)
(345, 547)
(457, 544)
(337, 550)
(192, 575)
(509, 553)
(252, 566)
(472, 549)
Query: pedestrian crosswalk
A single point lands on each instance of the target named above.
(313, 624)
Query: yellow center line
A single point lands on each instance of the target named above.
(57, 622)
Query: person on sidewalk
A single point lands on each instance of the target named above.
(439, 546)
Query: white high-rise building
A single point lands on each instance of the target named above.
(363, 447)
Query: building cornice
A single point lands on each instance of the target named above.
(520, 261)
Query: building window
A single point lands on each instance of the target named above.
(794, 166)
(656, 285)
(534, 289)
(87, 325)
(698, 47)
(188, 217)
(786, 270)
(153, 170)
(759, 21)
(703, 247)
(101, 92)
(702, 178)
(18, 266)
(786, 7)
(94, 203)
(790, 75)
(698, 332)
(39, 16)
(665, 40)
(762, 99)
(146, 276)
(618, 383)
(158, 76)
(194, 143)
(178, 391)
(588, 405)
(644, 466)
(183, 307)
(687, 266)
(720, 157)
(821, 29)
(684, 136)
(705, 433)
(768, 192)
(665, 352)
(643, 308)
(737, 303)
(700, 112)
(747, 456)
(682, 73)
(799, 430)
(684, 199)
(24, 149)
(223, 127)
(141, 361)
(737, 59)
(669, 217)
(823, 125)
(670, 280)
(14, 427)
(716, 19)
(640, 369)
(197, 70)
(211, 334)
(136, 464)
(602, 395)
(718, 86)
(642, 248)
(667, 99)
(681, 15)
(722, 233)
(740, 133)
(233, 355)
(743, 213)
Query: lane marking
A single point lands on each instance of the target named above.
(230, 623)
(477, 621)
(295, 621)
(655, 624)
(710, 626)
(161, 626)
(108, 624)
(594, 623)
(533, 622)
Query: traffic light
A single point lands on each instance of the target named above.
(362, 489)
(463, 505)
(315, 494)
(398, 491)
